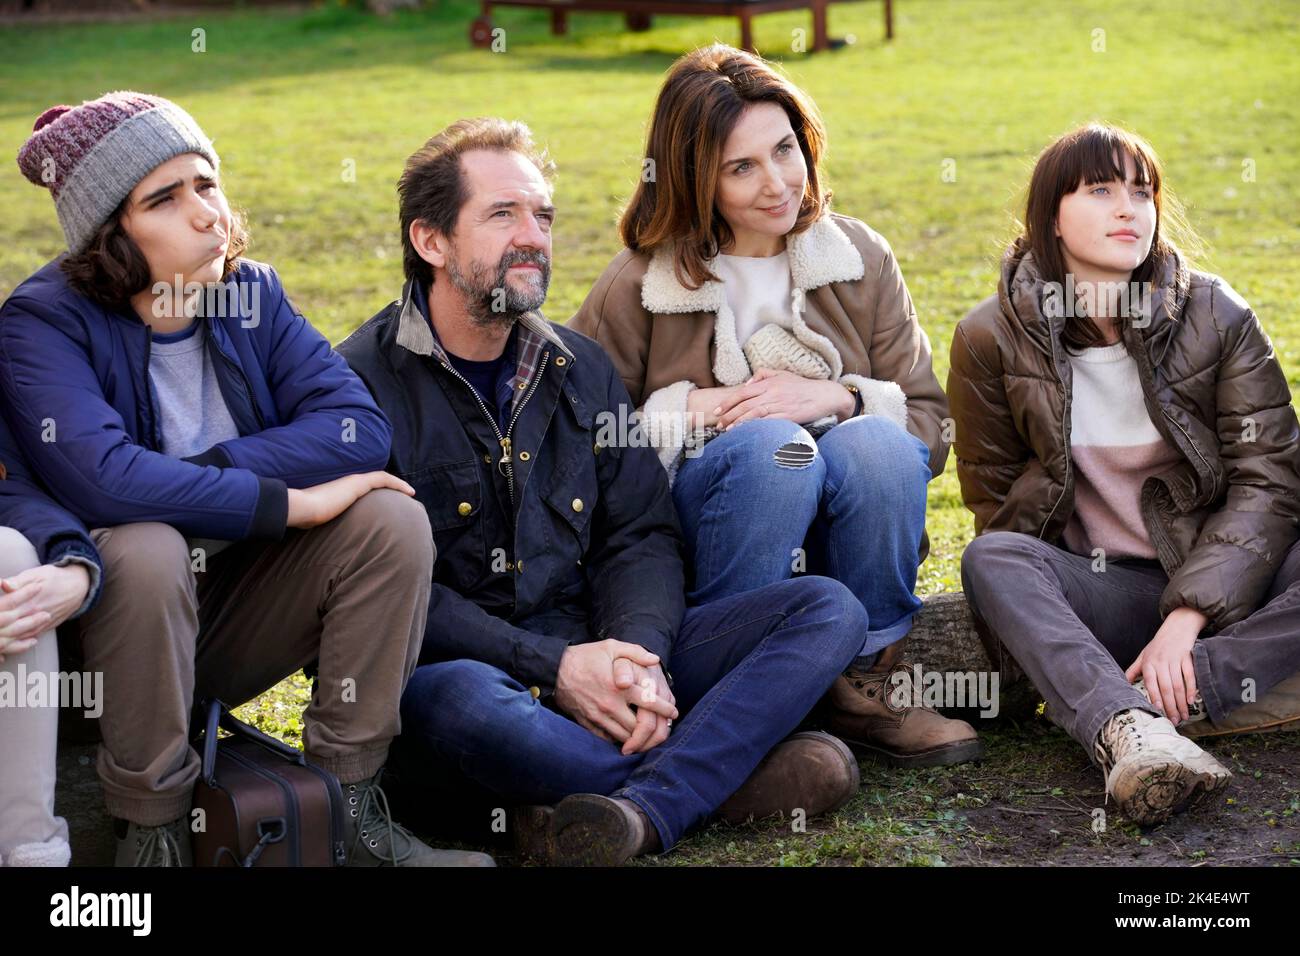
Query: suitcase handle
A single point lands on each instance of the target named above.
(220, 716)
(270, 830)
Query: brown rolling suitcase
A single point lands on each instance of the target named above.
(262, 803)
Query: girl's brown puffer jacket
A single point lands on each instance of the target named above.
(1222, 519)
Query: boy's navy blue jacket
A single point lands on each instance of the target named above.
(57, 535)
(593, 549)
(76, 392)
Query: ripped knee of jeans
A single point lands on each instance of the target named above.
(799, 452)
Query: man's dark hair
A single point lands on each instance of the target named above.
(432, 188)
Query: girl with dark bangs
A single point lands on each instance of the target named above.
(1126, 441)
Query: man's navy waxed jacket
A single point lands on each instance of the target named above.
(593, 549)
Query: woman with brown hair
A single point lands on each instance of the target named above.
(1126, 441)
(774, 353)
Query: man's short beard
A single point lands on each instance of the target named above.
(489, 299)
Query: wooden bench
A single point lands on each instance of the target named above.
(640, 12)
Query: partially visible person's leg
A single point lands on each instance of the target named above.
(352, 593)
(872, 515)
(746, 503)
(868, 535)
(1073, 630)
(476, 741)
(30, 833)
(140, 636)
(746, 671)
(477, 720)
(1244, 660)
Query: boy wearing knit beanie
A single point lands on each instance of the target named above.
(228, 464)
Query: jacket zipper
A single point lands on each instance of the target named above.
(148, 392)
(1146, 374)
(1065, 414)
(504, 440)
(242, 377)
(1213, 474)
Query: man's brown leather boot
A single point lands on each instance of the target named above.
(809, 771)
(592, 830)
(873, 712)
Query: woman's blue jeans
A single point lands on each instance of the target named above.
(757, 508)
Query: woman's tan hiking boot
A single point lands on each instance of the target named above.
(876, 712)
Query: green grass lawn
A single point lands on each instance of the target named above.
(293, 100)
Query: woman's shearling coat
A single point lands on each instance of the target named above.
(667, 340)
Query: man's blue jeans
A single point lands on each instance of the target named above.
(746, 670)
(756, 507)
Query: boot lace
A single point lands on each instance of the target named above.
(157, 846)
(375, 822)
(1117, 739)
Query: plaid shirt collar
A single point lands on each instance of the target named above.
(415, 334)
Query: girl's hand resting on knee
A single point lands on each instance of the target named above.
(309, 507)
(38, 600)
(1166, 664)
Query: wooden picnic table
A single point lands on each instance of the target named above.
(640, 12)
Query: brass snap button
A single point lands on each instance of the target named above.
(577, 504)
(464, 508)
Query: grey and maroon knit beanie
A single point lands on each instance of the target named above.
(91, 156)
